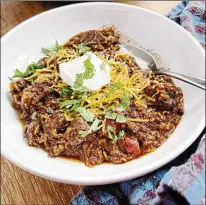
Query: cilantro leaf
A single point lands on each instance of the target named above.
(90, 71)
(114, 116)
(125, 100)
(87, 115)
(67, 90)
(111, 131)
(52, 51)
(120, 108)
(78, 84)
(82, 48)
(29, 71)
(112, 135)
(121, 134)
(75, 106)
(109, 62)
(19, 74)
(110, 115)
(94, 127)
(117, 85)
(121, 118)
(68, 102)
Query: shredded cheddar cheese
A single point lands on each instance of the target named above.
(100, 100)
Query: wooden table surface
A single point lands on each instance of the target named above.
(19, 187)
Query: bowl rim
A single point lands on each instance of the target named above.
(122, 176)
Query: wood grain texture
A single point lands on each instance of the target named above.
(19, 187)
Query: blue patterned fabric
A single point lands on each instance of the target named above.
(183, 180)
(191, 16)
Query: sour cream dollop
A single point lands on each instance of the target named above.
(101, 77)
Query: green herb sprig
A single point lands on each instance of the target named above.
(52, 51)
(117, 85)
(113, 136)
(29, 71)
(69, 103)
(94, 127)
(87, 115)
(67, 90)
(109, 62)
(125, 100)
(114, 116)
(89, 73)
(82, 48)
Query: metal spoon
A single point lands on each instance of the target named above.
(152, 65)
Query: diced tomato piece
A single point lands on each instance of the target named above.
(129, 144)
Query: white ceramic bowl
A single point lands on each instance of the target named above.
(180, 51)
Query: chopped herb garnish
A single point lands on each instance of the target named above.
(75, 106)
(112, 134)
(89, 73)
(121, 118)
(83, 48)
(87, 115)
(94, 127)
(114, 116)
(67, 90)
(78, 84)
(29, 71)
(121, 134)
(117, 85)
(120, 108)
(125, 100)
(111, 115)
(68, 102)
(109, 62)
(52, 51)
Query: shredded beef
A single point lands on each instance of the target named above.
(33, 96)
(115, 155)
(104, 41)
(31, 132)
(91, 152)
(18, 86)
(16, 89)
(55, 123)
(167, 96)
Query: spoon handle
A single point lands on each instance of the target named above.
(198, 82)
